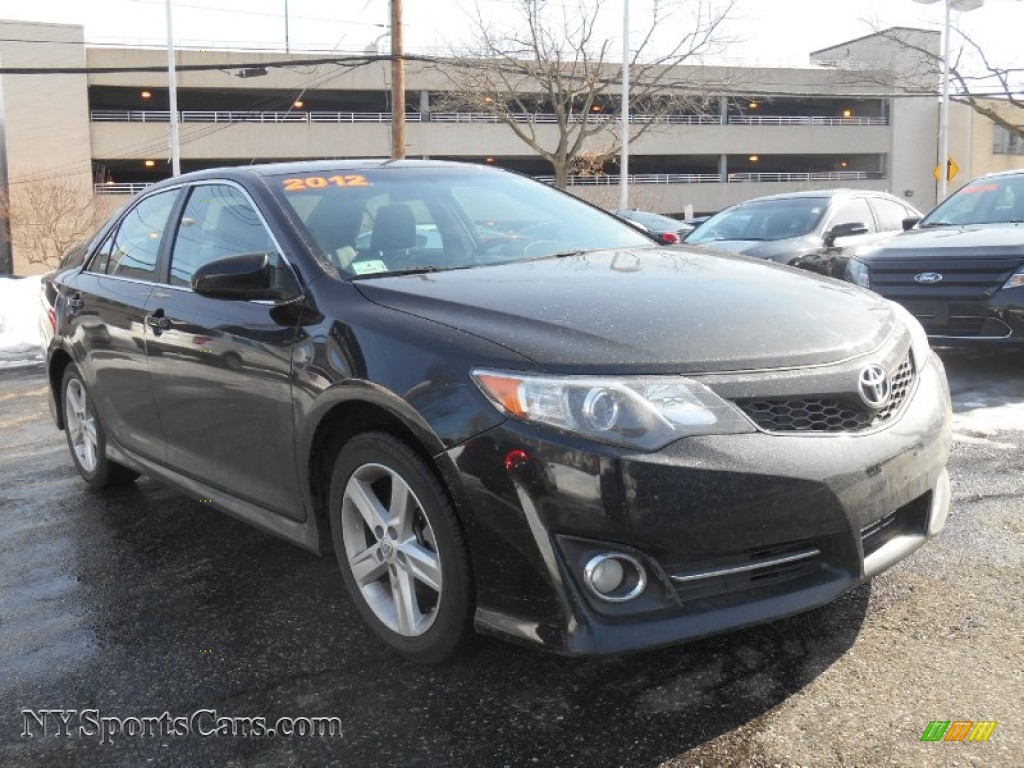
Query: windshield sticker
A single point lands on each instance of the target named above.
(368, 267)
(319, 182)
(979, 188)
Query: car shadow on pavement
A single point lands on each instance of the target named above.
(178, 608)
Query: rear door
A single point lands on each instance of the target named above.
(105, 310)
(221, 369)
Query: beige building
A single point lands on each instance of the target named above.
(978, 145)
(850, 118)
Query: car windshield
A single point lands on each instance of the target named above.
(983, 201)
(398, 219)
(762, 220)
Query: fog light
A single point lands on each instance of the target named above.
(615, 577)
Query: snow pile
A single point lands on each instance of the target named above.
(986, 420)
(20, 313)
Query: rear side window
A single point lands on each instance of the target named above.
(890, 214)
(218, 221)
(855, 210)
(134, 247)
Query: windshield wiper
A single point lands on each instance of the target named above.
(935, 224)
(419, 270)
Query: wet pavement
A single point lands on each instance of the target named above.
(137, 602)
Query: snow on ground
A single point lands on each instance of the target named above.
(20, 313)
(980, 422)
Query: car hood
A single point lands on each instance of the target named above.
(773, 250)
(979, 241)
(651, 310)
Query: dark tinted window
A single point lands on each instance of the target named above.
(890, 213)
(218, 220)
(854, 210)
(137, 240)
(102, 258)
(74, 256)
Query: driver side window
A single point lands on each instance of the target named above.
(218, 221)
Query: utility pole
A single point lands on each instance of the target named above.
(624, 160)
(287, 42)
(397, 83)
(172, 90)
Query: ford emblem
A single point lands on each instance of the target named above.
(927, 277)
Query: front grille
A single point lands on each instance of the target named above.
(966, 279)
(746, 570)
(847, 414)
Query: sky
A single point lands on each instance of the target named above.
(767, 32)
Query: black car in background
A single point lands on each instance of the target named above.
(661, 227)
(961, 270)
(813, 230)
(501, 407)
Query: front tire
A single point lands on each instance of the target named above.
(400, 549)
(87, 439)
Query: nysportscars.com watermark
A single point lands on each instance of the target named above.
(91, 724)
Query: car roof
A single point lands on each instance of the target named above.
(248, 172)
(829, 193)
(997, 174)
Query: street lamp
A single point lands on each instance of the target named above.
(960, 5)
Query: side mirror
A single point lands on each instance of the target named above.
(243, 276)
(849, 229)
(910, 222)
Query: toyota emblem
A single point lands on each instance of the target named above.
(928, 277)
(875, 386)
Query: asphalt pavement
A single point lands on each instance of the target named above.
(125, 605)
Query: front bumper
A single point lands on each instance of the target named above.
(996, 321)
(731, 530)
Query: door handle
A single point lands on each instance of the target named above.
(75, 302)
(158, 322)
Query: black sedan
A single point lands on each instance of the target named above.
(502, 408)
(662, 228)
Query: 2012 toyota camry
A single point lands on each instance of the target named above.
(502, 408)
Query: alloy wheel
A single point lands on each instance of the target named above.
(391, 550)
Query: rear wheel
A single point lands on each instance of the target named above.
(86, 437)
(400, 548)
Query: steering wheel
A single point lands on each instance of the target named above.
(517, 243)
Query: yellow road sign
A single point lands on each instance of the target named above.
(952, 169)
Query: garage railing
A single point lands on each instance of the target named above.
(613, 179)
(299, 116)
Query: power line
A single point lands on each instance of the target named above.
(352, 61)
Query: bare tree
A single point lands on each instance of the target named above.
(983, 85)
(47, 216)
(552, 82)
(986, 85)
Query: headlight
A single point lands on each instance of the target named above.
(857, 272)
(918, 337)
(645, 412)
(1016, 279)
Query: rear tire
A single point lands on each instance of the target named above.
(400, 549)
(87, 439)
